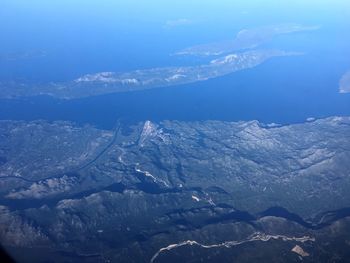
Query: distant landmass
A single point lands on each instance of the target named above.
(31, 54)
(245, 39)
(344, 84)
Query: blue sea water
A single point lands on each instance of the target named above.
(89, 38)
(281, 90)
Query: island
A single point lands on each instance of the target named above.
(224, 58)
(114, 82)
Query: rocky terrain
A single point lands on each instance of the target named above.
(171, 191)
